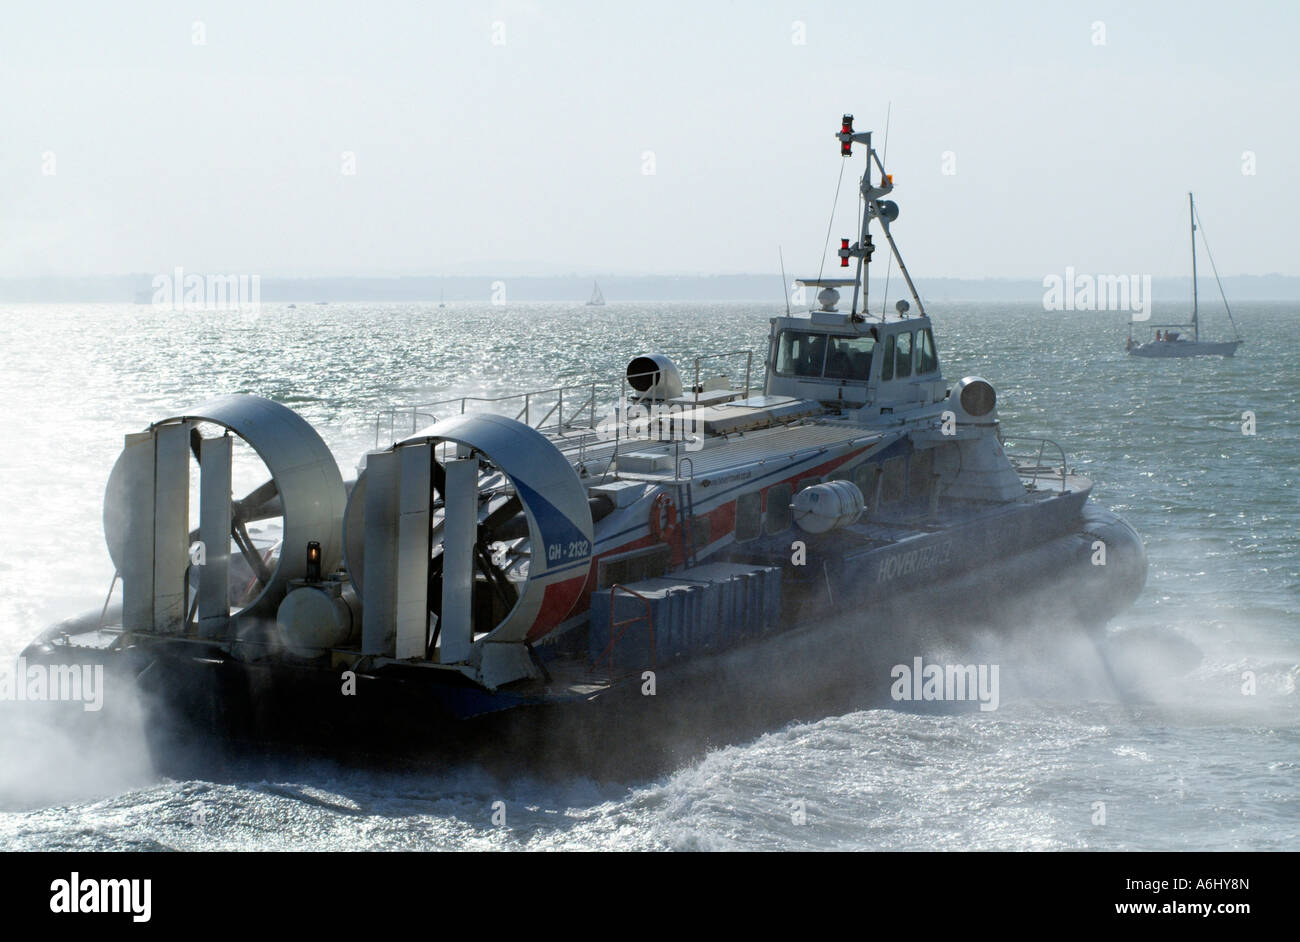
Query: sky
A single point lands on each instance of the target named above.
(299, 139)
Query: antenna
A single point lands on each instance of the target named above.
(1191, 216)
(785, 285)
(889, 109)
(889, 264)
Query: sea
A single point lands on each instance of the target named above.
(1201, 456)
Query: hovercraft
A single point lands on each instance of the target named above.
(580, 550)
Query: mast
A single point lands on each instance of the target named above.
(1191, 212)
(872, 209)
(864, 259)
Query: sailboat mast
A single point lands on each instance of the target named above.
(1196, 328)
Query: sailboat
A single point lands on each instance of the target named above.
(1169, 342)
(597, 299)
(441, 303)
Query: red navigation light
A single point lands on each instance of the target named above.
(846, 143)
(844, 253)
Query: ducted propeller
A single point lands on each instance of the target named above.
(147, 517)
(509, 537)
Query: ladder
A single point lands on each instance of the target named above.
(686, 501)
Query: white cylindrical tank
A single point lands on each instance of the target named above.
(315, 616)
(828, 506)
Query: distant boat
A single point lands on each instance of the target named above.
(440, 302)
(1171, 343)
(597, 299)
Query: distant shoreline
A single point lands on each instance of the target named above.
(577, 288)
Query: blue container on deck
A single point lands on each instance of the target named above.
(696, 611)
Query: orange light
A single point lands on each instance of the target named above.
(889, 178)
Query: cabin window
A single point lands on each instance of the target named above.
(850, 358)
(926, 361)
(893, 480)
(749, 516)
(920, 473)
(903, 362)
(801, 353)
(633, 566)
(864, 476)
(778, 507)
(887, 367)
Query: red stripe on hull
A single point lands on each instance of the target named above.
(722, 521)
(557, 602)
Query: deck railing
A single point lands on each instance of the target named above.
(1039, 458)
(556, 409)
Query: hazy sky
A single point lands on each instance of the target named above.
(510, 137)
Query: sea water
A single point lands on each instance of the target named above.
(1200, 455)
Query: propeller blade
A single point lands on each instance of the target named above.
(439, 477)
(435, 583)
(503, 513)
(500, 584)
(253, 506)
(250, 553)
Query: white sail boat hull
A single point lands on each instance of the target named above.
(1185, 348)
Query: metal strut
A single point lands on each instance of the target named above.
(618, 628)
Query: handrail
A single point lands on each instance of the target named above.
(687, 501)
(587, 395)
(749, 365)
(461, 403)
(623, 625)
(1032, 464)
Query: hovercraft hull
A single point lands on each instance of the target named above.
(830, 647)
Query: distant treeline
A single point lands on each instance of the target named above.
(575, 288)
